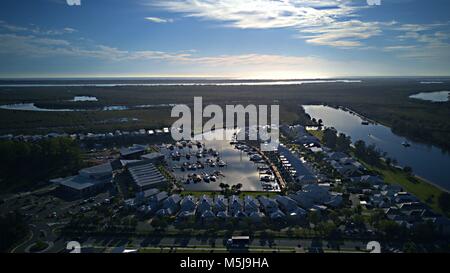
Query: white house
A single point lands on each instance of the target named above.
(268, 205)
(250, 204)
(277, 215)
(172, 204)
(222, 215)
(289, 206)
(204, 204)
(220, 203)
(256, 216)
(235, 205)
(188, 204)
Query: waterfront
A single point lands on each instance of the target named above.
(427, 161)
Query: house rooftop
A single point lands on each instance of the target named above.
(133, 150)
(152, 156)
(159, 196)
(76, 182)
(146, 175)
(149, 192)
(99, 169)
(297, 164)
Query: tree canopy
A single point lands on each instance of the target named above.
(25, 164)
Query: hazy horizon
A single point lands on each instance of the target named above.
(212, 78)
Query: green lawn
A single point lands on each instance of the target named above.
(426, 192)
(316, 133)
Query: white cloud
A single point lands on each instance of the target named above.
(321, 22)
(12, 28)
(31, 47)
(422, 41)
(28, 48)
(158, 20)
(5, 26)
(335, 23)
(262, 13)
(416, 27)
(73, 2)
(343, 34)
(399, 48)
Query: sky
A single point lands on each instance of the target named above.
(258, 39)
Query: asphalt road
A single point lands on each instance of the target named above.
(208, 242)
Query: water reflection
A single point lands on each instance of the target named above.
(33, 107)
(441, 96)
(427, 161)
(30, 107)
(238, 168)
(84, 98)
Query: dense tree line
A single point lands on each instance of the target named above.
(368, 153)
(431, 132)
(371, 155)
(305, 119)
(25, 164)
(338, 142)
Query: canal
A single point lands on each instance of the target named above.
(427, 161)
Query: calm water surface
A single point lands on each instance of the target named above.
(239, 168)
(33, 107)
(441, 96)
(427, 161)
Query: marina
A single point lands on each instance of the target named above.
(205, 165)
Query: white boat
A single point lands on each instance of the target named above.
(206, 178)
(406, 144)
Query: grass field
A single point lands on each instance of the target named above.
(316, 133)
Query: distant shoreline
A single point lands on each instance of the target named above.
(423, 78)
(116, 83)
